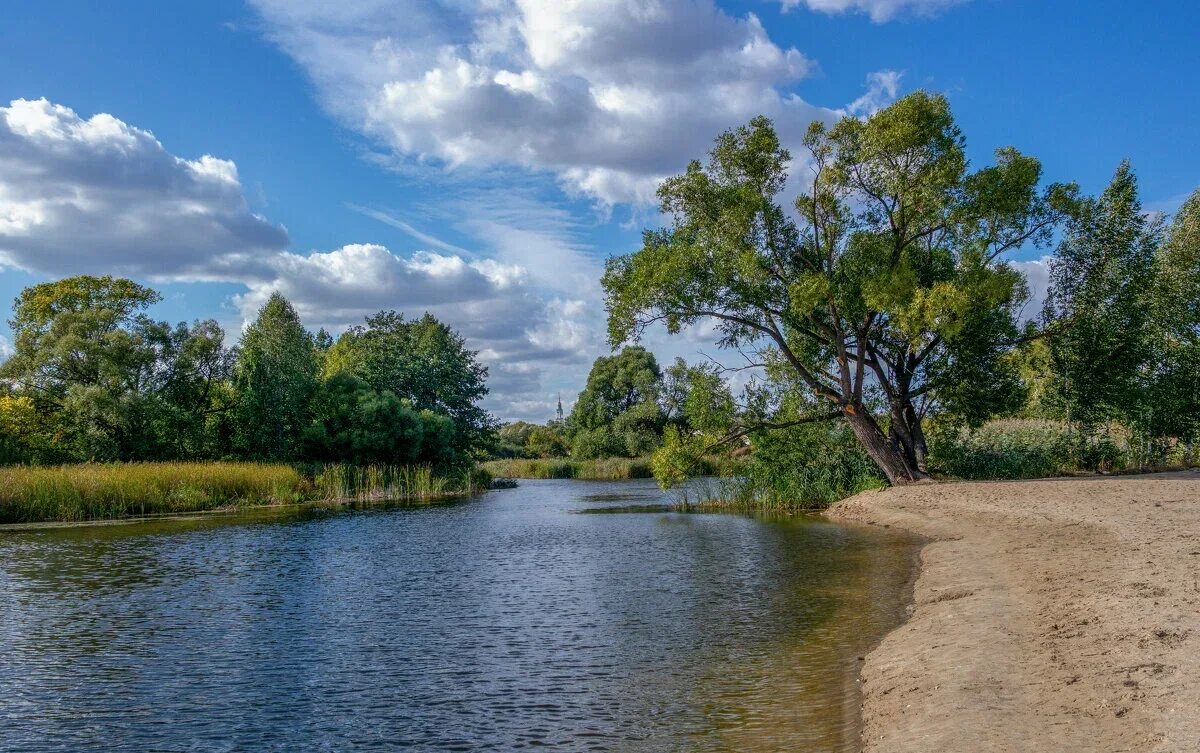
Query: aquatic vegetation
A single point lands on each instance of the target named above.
(93, 491)
(96, 491)
(342, 482)
(777, 495)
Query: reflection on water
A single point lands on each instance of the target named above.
(501, 623)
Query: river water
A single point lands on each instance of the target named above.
(566, 615)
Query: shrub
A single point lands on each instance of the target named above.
(1025, 448)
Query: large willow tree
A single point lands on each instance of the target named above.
(882, 297)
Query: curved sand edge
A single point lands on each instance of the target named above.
(1056, 615)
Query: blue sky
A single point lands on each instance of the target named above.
(481, 159)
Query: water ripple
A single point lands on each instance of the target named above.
(503, 623)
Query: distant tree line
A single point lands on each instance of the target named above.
(626, 407)
(93, 377)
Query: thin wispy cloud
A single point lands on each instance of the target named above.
(880, 11)
(399, 224)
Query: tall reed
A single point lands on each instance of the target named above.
(115, 490)
(94, 491)
(371, 483)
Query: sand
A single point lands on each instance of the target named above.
(1058, 615)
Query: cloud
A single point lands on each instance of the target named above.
(99, 195)
(606, 96)
(881, 91)
(1037, 276)
(879, 10)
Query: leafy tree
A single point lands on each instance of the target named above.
(275, 376)
(106, 381)
(888, 282)
(424, 362)
(192, 388)
(512, 438)
(23, 437)
(547, 442)
(80, 332)
(1099, 293)
(356, 424)
(618, 412)
(1173, 392)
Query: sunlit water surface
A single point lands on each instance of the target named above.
(507, 622)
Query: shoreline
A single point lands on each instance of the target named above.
(1049, 615)
(233, 511)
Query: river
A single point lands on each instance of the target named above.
(561, 615)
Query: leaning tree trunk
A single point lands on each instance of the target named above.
(890, 458)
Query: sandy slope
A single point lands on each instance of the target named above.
(1057, 615)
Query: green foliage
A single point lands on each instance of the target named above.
(1099, 294)
(801, 468)
(547, 442)
(890, 275)
(117, 490)
(275, 377)
(104, 380)
(1026, 448)
(618, 414)
(601, 469)
(94, 377)
(1010, 449)
(812, 465)
(1171, 378)
(353, 423)
(423, 362)
(523, 439)
(598, 469)
(391, 483)
(121, 490)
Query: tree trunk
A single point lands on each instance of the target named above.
(887, 455)
(906, 434)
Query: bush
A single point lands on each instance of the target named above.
(809, 467)
(1024, 448)
(803, 468)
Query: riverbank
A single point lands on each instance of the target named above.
(599, 469)
(1055, 615)
(116, 491)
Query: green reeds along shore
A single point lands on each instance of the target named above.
(91, 491)
(753, 497)
(603, 469)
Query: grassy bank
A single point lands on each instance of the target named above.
(120, 490)
(758, 496)
(602, 469)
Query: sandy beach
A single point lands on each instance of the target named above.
(1057, 615)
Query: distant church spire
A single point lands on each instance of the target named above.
(558, 414)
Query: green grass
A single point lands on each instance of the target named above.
(758, 496)
(373, 483)
(603, 469)
(120, 490)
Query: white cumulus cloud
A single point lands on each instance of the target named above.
(608, 96)
(99, 195)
